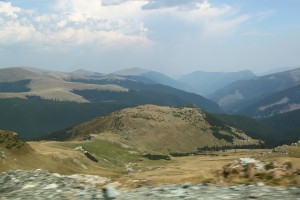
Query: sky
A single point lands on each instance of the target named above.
(170, 36)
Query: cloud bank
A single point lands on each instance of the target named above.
(108, 24)
(73, 22)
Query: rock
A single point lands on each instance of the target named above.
(87, 137)
(91, 179)
(79, 148)
(41, 184)
(235, 188)
(186, 185)
(86, 153)
(260, 184)
(28, 186)
(281, 149)
(245, 161)
(178, 192)
(255, 170)
(255, 195)
(110, 192)
(51, 186)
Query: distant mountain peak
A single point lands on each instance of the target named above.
(131, 71)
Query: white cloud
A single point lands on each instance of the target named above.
(112, 2)
(14, 32)
(214, 22)
(221, 29)
(111, 24)
(75, 22)
(8, 10)
(263, 15)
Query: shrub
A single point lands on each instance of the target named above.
(269, 166)
(288, 165)
(157, 157)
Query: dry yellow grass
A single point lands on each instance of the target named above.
(49, 88)
(192, 169)
(60, 157)
(50, 156)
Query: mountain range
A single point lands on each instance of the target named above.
(35, 102)
(241, 92)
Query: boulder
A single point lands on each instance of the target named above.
(109, 192)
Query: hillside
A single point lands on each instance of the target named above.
(252, 128)
(23, 83)
(34, 117)
(276, 130)
(241, 94)
(286, 100)
(284, 121)
(206, 83)
(160, 129)
(15, 154)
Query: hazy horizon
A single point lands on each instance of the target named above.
(174, 37)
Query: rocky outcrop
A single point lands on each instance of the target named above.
(281, 149)
(285, 149)
(249, 169)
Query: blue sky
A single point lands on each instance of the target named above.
(170, 36)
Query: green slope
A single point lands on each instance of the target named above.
(274, 104)
(282, 129)
(35, 117)
(285, 121)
